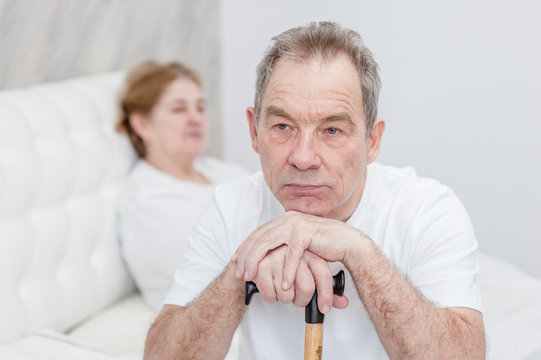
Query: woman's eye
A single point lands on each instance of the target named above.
(179, 110)
(333, 131)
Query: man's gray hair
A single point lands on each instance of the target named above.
(326, 40)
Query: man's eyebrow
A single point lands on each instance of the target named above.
(341, 116)
(273, 110)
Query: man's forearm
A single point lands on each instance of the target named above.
(409, 326)
(203, 329)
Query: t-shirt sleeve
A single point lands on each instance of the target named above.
(444, 266)
(207, 255)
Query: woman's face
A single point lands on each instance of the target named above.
(176, 128)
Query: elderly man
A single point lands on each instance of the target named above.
(320, 205)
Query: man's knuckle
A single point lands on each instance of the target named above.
(296, 248)
(285, 297)
(301, 300)
(263, 239)
(267, 295)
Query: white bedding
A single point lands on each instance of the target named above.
(512, 310)
(52, 345)
(511, 307)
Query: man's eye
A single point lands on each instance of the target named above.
(281, 126)
(333, 131)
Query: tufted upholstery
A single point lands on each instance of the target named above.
(61, 164)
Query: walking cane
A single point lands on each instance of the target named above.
(313, 335)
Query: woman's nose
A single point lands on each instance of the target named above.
(196, 117)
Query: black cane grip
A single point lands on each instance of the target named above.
(339, 283)
(312, 315)
(249, 290)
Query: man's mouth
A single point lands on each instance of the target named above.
(303, 188)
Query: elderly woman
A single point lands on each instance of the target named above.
(162, 110)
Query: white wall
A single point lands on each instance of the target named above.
(461, 95)
(53, 40)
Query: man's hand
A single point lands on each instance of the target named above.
(312, 272)
(311, 241)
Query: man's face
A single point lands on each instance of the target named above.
(311, 137)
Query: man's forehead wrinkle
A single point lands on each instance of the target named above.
(314, 90)
(292, 88)
(333, 104)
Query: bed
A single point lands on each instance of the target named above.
(64, 290)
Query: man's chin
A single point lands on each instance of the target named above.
(305, 206)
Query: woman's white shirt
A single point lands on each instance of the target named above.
(156, 213)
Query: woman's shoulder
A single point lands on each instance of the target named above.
(142, 173)
(145, 182)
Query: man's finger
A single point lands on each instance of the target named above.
(323, 278)
(283, 296)
(240, 256)
(294, 253)
(268, 241)
(267, 290)
(340, 302)
(304, 285)
(245, 248)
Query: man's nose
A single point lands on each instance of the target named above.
(305, 154)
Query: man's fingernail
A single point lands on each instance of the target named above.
(246, 275)
(284, 285)
(326, 309)
(238, 274)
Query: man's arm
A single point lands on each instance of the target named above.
(204, 328)
(408, 325)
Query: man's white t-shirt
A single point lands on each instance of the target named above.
(418, 224)
(156, 213)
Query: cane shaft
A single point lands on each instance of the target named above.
(313, 341)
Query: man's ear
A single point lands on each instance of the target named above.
(139, 124)
(250, 116)
(374, 141)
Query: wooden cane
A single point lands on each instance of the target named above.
(313, 333)
(313, 341)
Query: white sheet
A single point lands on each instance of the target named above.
(512, 310)
(51, 345)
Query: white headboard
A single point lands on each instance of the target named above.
(61, 163)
